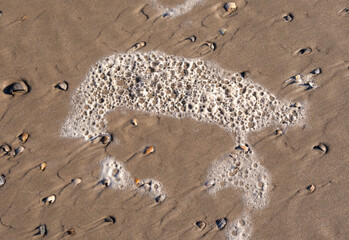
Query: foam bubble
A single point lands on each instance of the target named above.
(178, 10)
(174, 86)
(240, 229)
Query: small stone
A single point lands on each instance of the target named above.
(0, 13)
(23, 18)
(137, 46)
(43, 166)
(41, 230)
(288, 17)
(230, 7)
(245, 148)
(245, 74)
(296, 105)
(19, 150)
(111, 219)
(106, 139)
(62, 86)
(278, 132)
(221, 223)
(71, 232)
(316, 71)
(311, 188)
(106, 182)
(305, 51)
(5, 150)
(76, 181)
(134, 122)
(211, 45)
(160, 198)
(49, 200)
(2, 180)
(222, 31)
(149, 150)
(191, 38)
(24, 137)
(201, 225)
(17, 88)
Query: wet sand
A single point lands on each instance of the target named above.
(59, 42)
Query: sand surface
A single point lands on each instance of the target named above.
(60, 42)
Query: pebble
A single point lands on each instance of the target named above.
(2, 180)
(18, 88)
(23, 18)
(243, 147)
(305, 51)
(19, 150)
(76, 181)
(106, 182)
(201, 225)
(245, 74)
(211, 45)
(316, 71)
(43, 166)
(110, 219)
(221, 223)
(222, 31)
(42, 230)
(160, 198)
(5, 149)
(149, 150)
(0, 13)
(230, 7)
(71, 231)
(106, 139)
(62, 86)
(311, 188)
(24, 137)
(278, 132)
(134, 122)
(191, 38)
(49, 200)
(138, 45)
(288, 17)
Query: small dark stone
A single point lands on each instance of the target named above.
(110, 218)
(221, 223)
(288, 17)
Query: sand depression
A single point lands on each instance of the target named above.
(179, 87)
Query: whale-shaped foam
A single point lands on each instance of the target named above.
(161, 84)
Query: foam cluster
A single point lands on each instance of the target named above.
(173, 86)
(240, 171)
(240, 229)
(115, 174)
(178, 10)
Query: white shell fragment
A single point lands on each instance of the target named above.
(2, 180)
(316, 71)
(62, 86)
(230, 7)
(221, 223)
(49, 200)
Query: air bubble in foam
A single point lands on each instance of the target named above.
(240, 229)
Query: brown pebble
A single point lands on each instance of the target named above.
(106, 139)
(149, 150)
(23, 18)
(106, 182)
(242, 147)
(71, 232)
(24, 137)
(278, 132)
(134, 122)
(43, 166)
(311, 188)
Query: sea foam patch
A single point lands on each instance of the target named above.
(178, 10)
(167, 85)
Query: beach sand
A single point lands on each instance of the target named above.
(59, 42)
